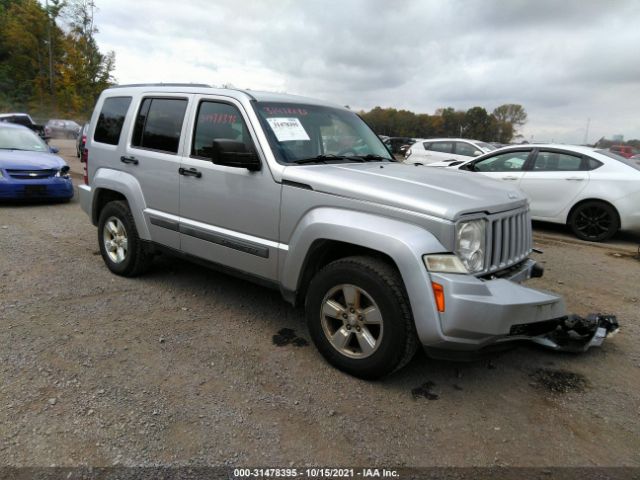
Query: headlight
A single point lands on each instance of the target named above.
(63, 172)
(444, 263)
(470, 244)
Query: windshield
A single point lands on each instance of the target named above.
(301, 134)
(486, 146)
(633, 163)
(21, 139)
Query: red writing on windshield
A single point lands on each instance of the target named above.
(219, 118)
(285, 110)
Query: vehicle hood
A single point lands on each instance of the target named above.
(21, 160)
(437, 192)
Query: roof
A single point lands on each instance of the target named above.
(575, 148)
(239, 94)
(13, 125)
(449, 140)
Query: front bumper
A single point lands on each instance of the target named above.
(487, 314)
(50, 188)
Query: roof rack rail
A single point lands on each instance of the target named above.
(162, 85)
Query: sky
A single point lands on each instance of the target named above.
(571, 64)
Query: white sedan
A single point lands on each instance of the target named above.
(428, 150)
(595, 192)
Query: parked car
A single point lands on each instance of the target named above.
(432, 150)
(81, 140)
(626, 151)
(29, 168)
(595, 192)
(25, 120)
(62, 128)
(383, 257)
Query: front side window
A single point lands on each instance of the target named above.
(111, 119)
(218, 121)
(159, 123)
(300, 133)
(504, 162)
(466, 149)
(556, 162)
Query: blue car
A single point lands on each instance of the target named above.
(29, 168)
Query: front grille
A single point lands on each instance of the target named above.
(31, 174)
(509, 239)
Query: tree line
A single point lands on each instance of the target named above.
(499, 126)
(50, 63)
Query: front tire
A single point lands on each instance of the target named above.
(122, 250)
(594, 221)
(359, 317)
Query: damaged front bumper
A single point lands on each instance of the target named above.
(488, 314)
(577, 334)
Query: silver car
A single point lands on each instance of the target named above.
(300, 195)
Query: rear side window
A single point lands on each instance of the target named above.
(159, 123)
(557, 162)
(443, 147)
(111, 120)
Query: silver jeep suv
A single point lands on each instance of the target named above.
(302, 196)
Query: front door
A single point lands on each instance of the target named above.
(228, 215)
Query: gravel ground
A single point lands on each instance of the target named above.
(181, 367)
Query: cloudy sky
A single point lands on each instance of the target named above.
(564, 61)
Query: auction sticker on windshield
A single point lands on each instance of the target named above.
(287, 129)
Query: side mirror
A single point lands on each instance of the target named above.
(477, 153)
(54, 149)
(231, 153)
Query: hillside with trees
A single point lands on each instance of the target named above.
(499, 126)
(50, 63)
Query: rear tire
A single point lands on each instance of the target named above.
(122, 250)
(359, 317)
(594, 221)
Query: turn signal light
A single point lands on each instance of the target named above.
(438, 293)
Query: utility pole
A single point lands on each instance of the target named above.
(50, 46)
(586, 133)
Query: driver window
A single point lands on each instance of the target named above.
(218, 121)
(504, 162)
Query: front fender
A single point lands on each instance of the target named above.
(404, 242)
(127, 185)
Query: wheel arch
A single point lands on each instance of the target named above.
(590, 199)
(111, 185)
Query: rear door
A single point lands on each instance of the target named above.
(554, 178)
(152, 156)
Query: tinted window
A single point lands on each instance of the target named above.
(218, 121)
(111, 119)
(631, 162)
(444, 147)
(557, 162)
(159, 123)
(503, 162)
(466, 149)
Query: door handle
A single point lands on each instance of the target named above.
(509, 178)
(131, 160)
(575, 179)
(191, 172)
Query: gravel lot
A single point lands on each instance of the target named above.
(180, 367)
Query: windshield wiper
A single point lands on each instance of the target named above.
(370, 157)
(326, 158)
(14, 148)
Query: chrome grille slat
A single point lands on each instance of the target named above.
(509, 239)
(31, 174)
